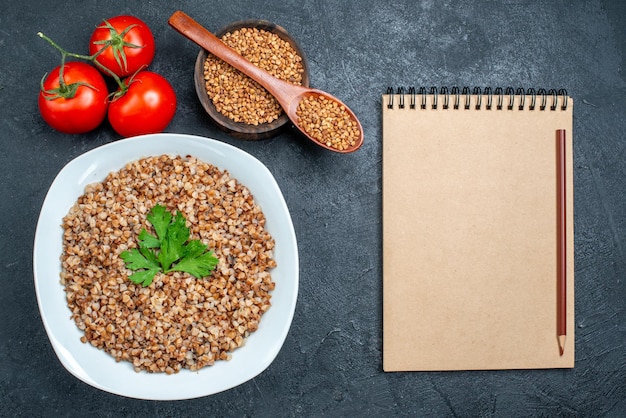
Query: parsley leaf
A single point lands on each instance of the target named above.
(147, 240)
(160, 219)
(136, 259)
(172, 245)
(168, 250)
(196, 262)
(144, 277)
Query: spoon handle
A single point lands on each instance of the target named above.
(188, 27)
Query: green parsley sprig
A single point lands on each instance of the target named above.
(168, 250)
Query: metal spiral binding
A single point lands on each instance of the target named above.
(457, 98)
(390, 94)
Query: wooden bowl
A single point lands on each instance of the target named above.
(238, 129)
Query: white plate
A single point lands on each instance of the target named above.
(98, 368)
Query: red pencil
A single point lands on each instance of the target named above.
(561, 241)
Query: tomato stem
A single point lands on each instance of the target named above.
(117, 43)
(63, 88)
(66, 91)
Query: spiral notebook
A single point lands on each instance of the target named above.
(470, 229)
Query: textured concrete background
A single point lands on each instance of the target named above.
(331, 361)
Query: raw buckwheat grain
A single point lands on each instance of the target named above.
(237, 96)
(327, 122)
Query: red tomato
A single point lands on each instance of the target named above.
(147, 107)
(129, 45)
(78, 107)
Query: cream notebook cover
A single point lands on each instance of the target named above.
(469, 230)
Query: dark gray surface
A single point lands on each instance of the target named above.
(331, 361)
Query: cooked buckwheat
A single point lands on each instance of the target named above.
(178, 321)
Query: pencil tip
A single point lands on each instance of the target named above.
(561, 344)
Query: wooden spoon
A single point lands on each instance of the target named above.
(288, 95)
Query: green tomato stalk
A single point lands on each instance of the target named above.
(117, 43)
(68, 91)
